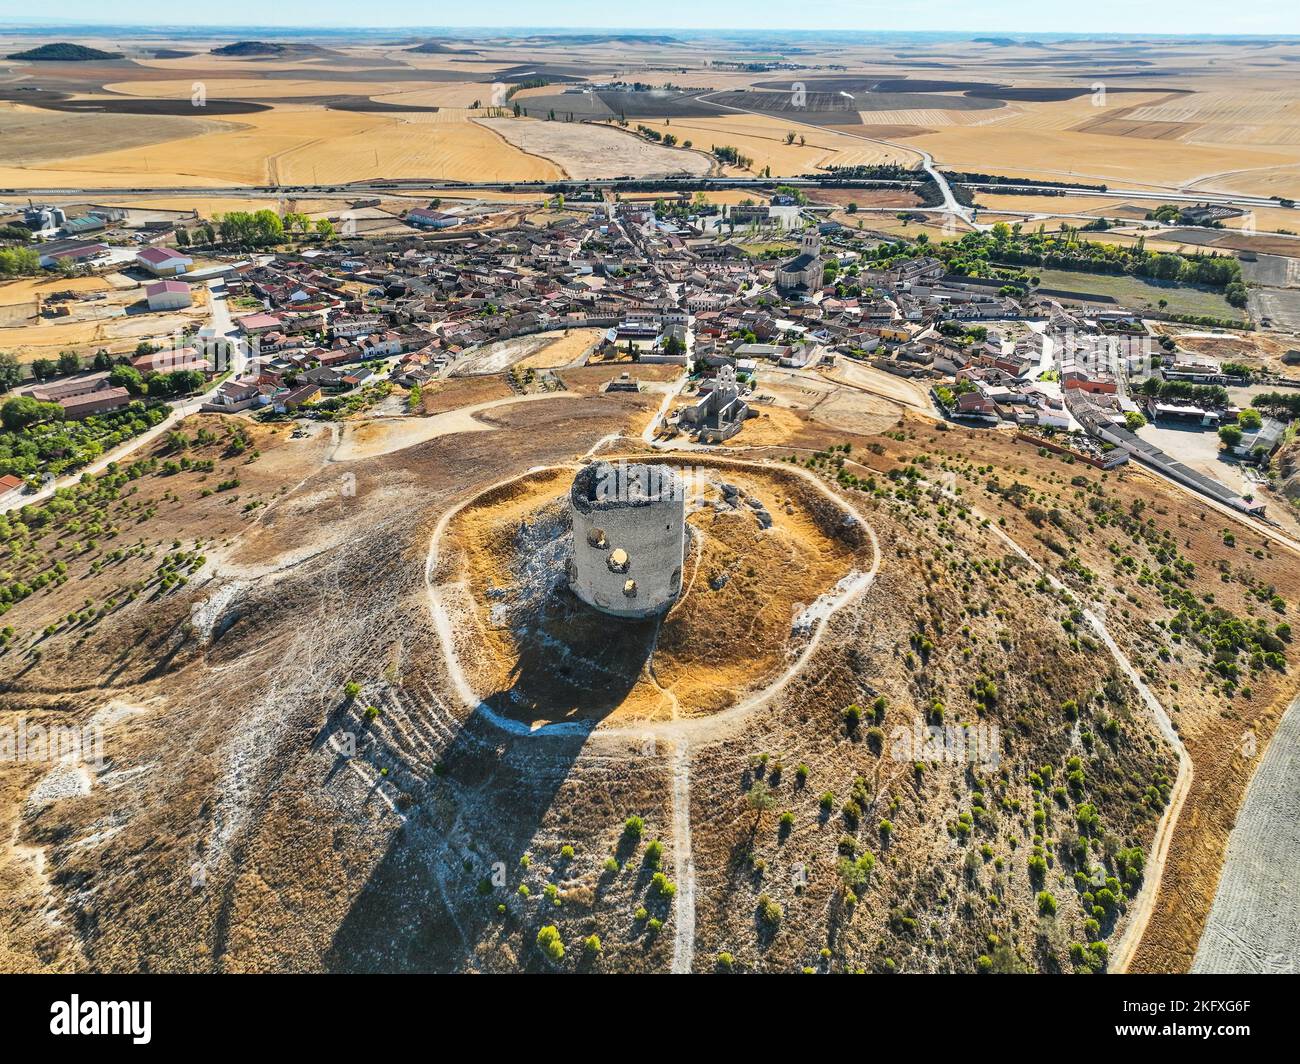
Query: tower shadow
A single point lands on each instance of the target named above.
(431, 904)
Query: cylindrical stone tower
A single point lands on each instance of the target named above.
(629, 532)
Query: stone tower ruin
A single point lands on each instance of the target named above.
(629, 535)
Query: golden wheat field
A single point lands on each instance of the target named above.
(763, 139)
(299, 145)
(1192, 114)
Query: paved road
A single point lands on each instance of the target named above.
(397, 186)
(950, 204)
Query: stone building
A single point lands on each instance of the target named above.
(802, 275)
(720, 412)
(629, 535)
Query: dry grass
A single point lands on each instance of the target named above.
(91, 326)
(763, 139)
(1055, 154)
(28, 289)
(560, 352)
(34, 138)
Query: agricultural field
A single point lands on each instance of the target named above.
(585, 150)
(925, 697)
(1163, 120)
(34, 137)
(1140, 292)
(763, 139)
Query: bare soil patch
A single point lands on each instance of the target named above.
(542, 656)
(584, 150)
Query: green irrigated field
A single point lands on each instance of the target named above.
(1140, 293)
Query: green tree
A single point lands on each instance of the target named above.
(10, 372)
(548, 938)
(22, 411)
(127, 377)
(15, 262)
(760, 799)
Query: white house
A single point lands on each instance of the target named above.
(10, 488)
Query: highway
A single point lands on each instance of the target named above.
(399, 186)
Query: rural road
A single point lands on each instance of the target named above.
(950, 204)
(397, 186)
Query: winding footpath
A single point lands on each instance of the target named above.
(683, 864)
(1139, 912)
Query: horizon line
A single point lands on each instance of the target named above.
(159, 29)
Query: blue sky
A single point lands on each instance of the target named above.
(988, 16)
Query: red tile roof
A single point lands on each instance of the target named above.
(160, 255)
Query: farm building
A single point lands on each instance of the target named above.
(168, 295)
(427, 219)
(75, 251)
(163, 262)
(10, 488)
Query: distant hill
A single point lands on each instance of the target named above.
(438, 48)
(1008, 42)
(63, 52)
(601, 38)
(269, 48)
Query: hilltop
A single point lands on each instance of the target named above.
(277, 49)
(64, 52)
(438, 48)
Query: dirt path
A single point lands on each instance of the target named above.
(883, 385)
(680, 732)
(708, 728)
(683, 864)
(375, 436)
(1144, 904)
